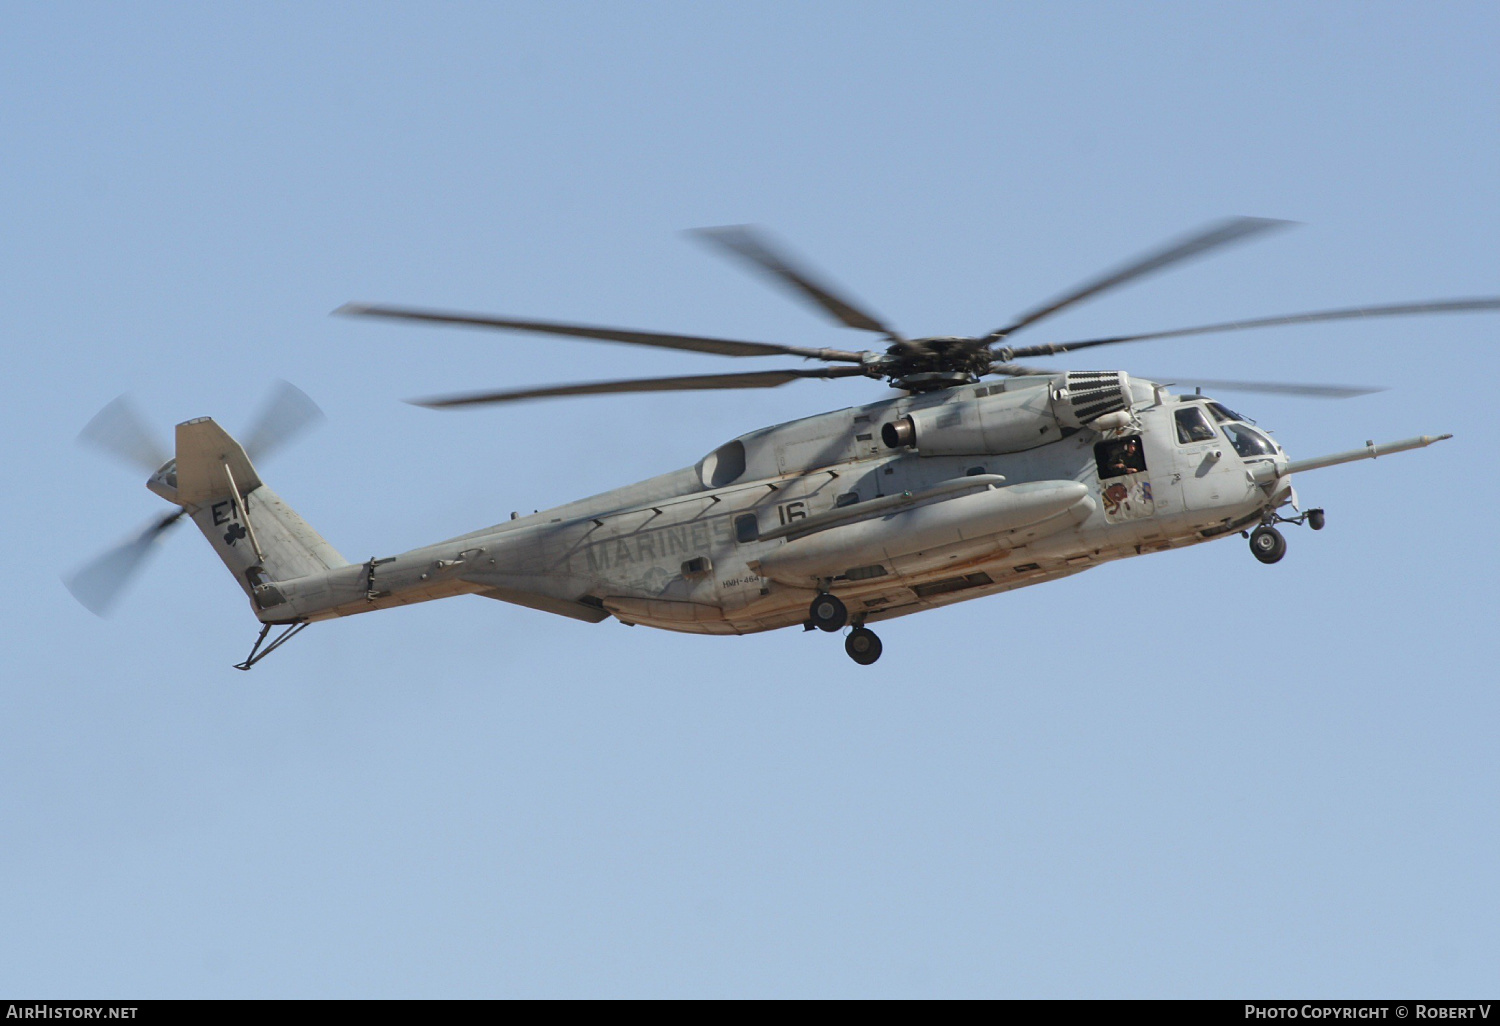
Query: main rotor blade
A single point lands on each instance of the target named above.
(99, 583)
(1437, 306)
(754, 379)
(1221, 233)
(1016, 370)
(121, 431)
(1280, 388)
(754, 248)
(691, 343)
(286, 414)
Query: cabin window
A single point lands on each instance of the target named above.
(746, 528)
(1193, 426)
(847, 499)
(1120, 456)
(698, 566)
(1247, 442)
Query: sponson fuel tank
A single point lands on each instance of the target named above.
(866, 544)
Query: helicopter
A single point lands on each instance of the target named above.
(981, 475)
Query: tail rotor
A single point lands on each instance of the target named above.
(98, 584)
(286, 413)
(120, 430)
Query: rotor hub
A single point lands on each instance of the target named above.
(938, 361)
(930, 381)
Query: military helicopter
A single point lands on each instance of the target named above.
(982, 476)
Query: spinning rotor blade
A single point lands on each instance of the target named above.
(754, 248)
(1437, 306)
(692, 343)
(98, 584)
(1221, 233)
(121, 431)
(286, 414)
(1016, 370)
(1281, 388)
(754, 379)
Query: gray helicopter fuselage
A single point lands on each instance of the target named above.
(896, 506)
(958, 487)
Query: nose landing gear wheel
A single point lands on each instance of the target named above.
(828, 613)
(1267, 544)
(863, 646)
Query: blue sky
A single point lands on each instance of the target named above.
(1184, 775)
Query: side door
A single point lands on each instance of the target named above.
(1211, 475)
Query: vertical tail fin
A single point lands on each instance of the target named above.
(258, 536)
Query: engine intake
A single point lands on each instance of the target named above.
(1088, 395)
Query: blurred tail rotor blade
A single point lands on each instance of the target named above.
(121, 431)
(287, 413)
(98, 584)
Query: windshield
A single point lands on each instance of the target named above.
(1248, 442)
(1222, 413)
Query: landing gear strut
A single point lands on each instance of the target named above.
(1267, 544)
(863, 646)
(827, 613)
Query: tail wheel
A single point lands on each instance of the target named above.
(1267, 544)
(863, 646)
(828, 613)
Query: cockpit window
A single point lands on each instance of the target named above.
(1120, 456)
(1249, 442)
(1222, 413)
(1193, 426)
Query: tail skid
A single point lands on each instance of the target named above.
(257, 653)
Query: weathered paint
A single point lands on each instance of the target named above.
(623, 552)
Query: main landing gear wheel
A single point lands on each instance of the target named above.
(828, 613)
(863, 646)
(1267, 544)
(1315, 519)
